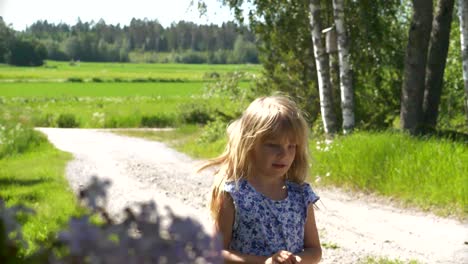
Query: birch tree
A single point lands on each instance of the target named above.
(415, 66)
(463, 16)
(346, 88)
(323, 73)
(437, 58)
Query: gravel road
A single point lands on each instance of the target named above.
(351, 227)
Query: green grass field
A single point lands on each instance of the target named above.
(126, 95)
(54, 71)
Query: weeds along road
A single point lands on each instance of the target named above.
(352, 227)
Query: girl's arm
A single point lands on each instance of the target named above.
(223, 225)
(312, 250)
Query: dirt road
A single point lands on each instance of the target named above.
(351, 227)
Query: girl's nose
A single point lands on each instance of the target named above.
(282, 150)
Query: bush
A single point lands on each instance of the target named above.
(195, 113)
(27, 53)
(156, 121)
(16, 138)
(213, 131)
(140, 238)
(75, 79)
(67, 121)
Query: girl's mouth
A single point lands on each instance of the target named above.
(279, 166)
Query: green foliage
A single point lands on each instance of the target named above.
(17, 137)
(75, 79)
(143, 41)
(157, 121)
(195, 113)
(27, 53)
(35, 179)
(377, 32)
(67, 120)
(451, 115)
(427, 172)
(55, 71)
(213, 131)
(6, 38)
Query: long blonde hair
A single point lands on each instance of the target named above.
(266, 117)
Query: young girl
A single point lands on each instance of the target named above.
(260, 203)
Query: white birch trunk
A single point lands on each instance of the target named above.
(346, 86)
(323, 74)
(463, 15)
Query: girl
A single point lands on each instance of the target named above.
(259, 202)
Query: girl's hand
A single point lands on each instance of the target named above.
(283, 256)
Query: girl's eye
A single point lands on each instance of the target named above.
(292, 146)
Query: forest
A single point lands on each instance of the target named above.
(142, 40)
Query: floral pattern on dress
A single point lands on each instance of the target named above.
(263, 226)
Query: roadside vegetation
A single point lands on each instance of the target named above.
(32, 174)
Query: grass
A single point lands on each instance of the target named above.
(429, 173)
(36, 180)
(55, 71)
(183, 139)
(37, 94)
(124, 89)
(426, 173)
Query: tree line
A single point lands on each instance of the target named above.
(90, 41)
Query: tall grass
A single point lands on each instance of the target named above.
(430, 173)
(425, 173)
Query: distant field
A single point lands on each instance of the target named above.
(54, 71)
(112, 94)
(90, 89)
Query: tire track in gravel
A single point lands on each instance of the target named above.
(351, 227)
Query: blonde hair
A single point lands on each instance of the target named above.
(266, 117)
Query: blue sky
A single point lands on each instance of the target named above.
(21, 13)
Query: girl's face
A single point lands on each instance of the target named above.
(273, 157)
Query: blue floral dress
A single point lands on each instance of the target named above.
(263, 226)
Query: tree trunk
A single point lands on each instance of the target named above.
(323, 74)
(438, 49)
(463, 15)
(347, 93)
(415, 66)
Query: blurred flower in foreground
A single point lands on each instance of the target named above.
(143, 236)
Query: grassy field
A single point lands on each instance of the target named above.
(61, 71)
(112, 94)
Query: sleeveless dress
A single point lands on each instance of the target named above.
(263, 226)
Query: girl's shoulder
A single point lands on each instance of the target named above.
(234, 186)
(303, 190)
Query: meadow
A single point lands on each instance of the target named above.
(112, 95)
(54, 71)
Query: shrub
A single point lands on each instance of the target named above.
(97, 80)
(156, 121)
(67, 121)
(16, 138)
(75, 79)
(195, 113)
(213, 131)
